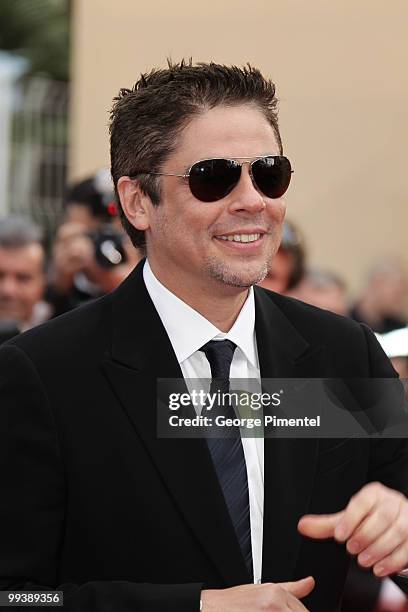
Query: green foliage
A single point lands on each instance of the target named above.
(39, 31)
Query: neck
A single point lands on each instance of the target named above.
(218, 303)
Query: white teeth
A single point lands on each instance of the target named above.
(241, 237)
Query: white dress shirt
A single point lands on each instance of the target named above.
(187, 338)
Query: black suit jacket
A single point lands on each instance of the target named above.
(95, 504)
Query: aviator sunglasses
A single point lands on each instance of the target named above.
(213, 179)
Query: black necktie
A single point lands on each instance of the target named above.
(227, 453)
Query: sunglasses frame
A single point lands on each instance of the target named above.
(248, 160)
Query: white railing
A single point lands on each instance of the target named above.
(38, 150)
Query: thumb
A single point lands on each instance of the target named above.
(319, 526)
(299, 588)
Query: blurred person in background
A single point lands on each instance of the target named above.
(383, 300)
(288, 265)
(92, 255)
(22, 277)
(324, 289)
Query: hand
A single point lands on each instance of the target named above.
(374, 525)
(269, 597)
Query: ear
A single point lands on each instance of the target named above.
(136, 204)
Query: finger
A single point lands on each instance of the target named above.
(294, 604)
(359, 507)
(371, 531)
(393, 563)
(299, 588)
(384, 546)
(319, 526)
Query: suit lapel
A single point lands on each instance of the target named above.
(141, 353)
(289, 463)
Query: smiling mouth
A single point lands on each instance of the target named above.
(240, 237)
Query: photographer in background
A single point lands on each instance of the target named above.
(22, 278)
(91, 253)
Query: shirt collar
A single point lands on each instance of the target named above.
(196, 330)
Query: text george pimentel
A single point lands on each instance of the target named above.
(243, 422)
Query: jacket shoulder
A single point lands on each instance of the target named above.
(310, 320)
(349, 345)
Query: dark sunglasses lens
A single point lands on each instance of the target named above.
(272, 175)
(212, 179)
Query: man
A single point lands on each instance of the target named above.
(94, 503)
(22, 279)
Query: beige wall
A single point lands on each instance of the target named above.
(341, 73)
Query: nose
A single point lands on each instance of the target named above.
(245, 195)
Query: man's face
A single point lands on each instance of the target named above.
(184, 243)
(21, 281)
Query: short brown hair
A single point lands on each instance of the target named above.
(147, 119)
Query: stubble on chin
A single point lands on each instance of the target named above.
(218, 270)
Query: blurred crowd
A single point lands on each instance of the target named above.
(89, 256)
